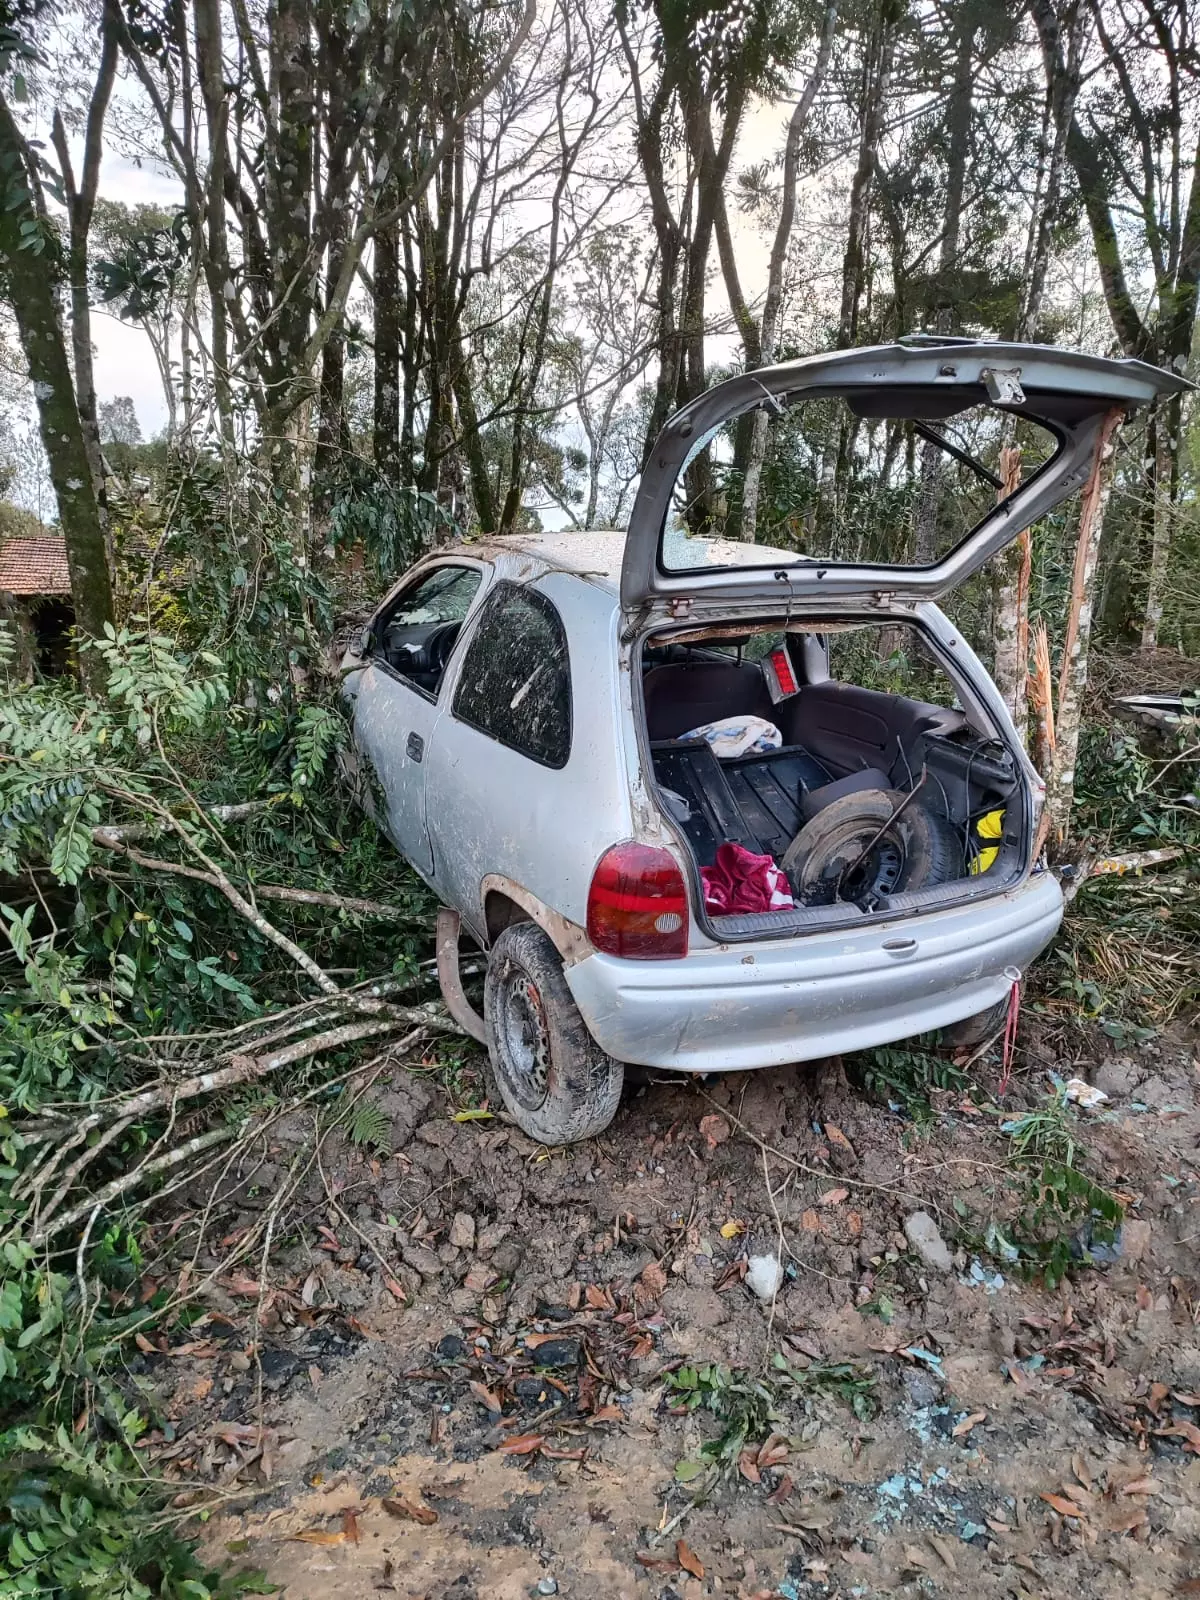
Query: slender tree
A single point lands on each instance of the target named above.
(34, 265)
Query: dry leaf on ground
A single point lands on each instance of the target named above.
(523, 1445)
(1064, 1507)
(403, 1506)
(688, 1560)
(961, 1429)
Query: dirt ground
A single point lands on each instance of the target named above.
(454, 1377)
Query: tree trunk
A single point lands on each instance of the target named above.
(877, 76)
(289, 188)
(217, 271)
(32, 268)
(769, 327)
(1166, 448)
(81, 202)
(472, 444)
(1073, 666)
(1010, 623)
(412, 349)
(386, 418)
(946, 314)
(333, 432)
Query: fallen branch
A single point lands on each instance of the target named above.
(241, 1071)
(264, 891)
(317, 897)
(218, 880)
(130, 1180)
(1075, 876)
(231, 813)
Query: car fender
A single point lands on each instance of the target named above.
(567, 937)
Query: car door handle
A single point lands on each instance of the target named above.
(415, 747)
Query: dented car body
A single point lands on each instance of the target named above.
(535, 712)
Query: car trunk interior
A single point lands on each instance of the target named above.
(949, 786)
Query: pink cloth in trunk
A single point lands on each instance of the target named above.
(741, 881)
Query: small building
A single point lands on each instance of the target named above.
(35, 600)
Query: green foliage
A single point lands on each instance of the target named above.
(393, 523)
(744, 1405)
(97, 951)
(81, 1516)
(1128, 953)
(1063, 1209)
(138, 277)
(750, 1407)
(903, 1074)
(368, 1127)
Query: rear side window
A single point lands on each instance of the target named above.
(515, 684)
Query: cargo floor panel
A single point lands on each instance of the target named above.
(753, 801)
(769, 790)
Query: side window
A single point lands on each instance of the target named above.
(416, 635)
(515, 684)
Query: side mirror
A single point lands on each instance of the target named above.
(364, 642)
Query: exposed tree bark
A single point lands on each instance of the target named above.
(1010, 622)
(1041, 700)
(1166, 451)
(31, 265)
(388, 304)
(1073, 665)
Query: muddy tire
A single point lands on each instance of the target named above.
(858, 845)
(972, 1031)
(554, 1079)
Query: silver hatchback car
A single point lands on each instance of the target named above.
(668, 779)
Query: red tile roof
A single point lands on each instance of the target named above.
(35, 565)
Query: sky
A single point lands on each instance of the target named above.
(124, 362)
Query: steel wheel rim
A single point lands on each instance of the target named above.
(878, 875)
(523, 1039)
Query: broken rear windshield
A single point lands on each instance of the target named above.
(837, 486)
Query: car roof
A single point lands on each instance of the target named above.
(597, 554)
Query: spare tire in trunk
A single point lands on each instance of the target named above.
(865, 846)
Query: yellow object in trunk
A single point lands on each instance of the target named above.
(989, 827)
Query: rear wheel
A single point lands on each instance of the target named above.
(550, 1073)
(976, 1030)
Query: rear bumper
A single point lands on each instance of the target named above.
(727, 1008)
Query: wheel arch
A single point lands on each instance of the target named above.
(506, 901)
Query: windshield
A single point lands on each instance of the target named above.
(820, 481)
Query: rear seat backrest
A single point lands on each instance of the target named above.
(685, 695)
(849, 728)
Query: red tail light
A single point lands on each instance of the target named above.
(783, 672)
(637, 904)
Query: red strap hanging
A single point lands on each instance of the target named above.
(1010, 1037)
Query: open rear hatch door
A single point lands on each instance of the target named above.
(905, 436)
